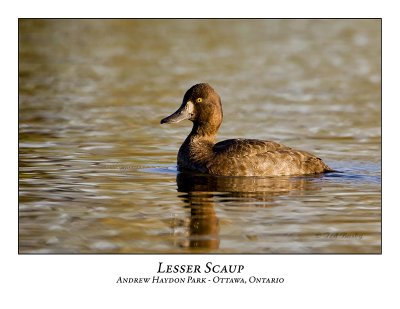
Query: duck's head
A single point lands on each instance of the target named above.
(202, 105)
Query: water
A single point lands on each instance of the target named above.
(98, 172)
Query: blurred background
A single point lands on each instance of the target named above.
(97, 172)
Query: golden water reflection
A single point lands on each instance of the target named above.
(202, 191)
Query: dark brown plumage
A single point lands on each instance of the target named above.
(232, 157)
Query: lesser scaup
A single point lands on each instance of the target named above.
(233, 157)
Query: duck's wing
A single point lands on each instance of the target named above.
(258, 157)
(246, 147)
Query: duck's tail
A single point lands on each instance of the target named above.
(330, 170)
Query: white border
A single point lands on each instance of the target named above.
(36, 281)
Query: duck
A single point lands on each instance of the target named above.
(233, 157)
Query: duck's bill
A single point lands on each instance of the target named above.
(182, 113)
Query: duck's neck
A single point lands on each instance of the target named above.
(197, 149)
(204, 132)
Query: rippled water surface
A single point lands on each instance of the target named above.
(97, 172)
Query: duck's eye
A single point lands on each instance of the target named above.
(199, 100)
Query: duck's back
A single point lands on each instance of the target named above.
(250, 157)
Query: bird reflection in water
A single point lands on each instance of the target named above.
(202, 193)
